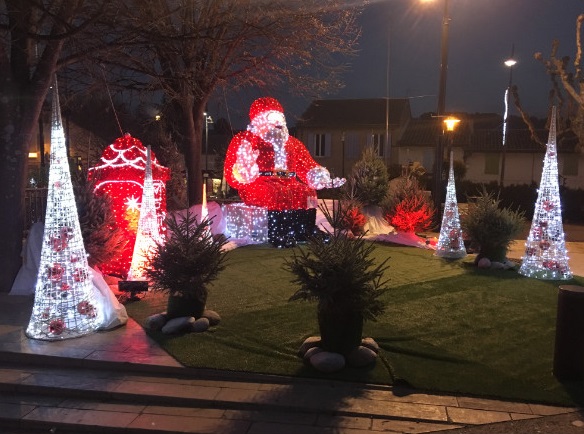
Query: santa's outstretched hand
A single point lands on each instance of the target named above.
(245, 169)
(319, 178)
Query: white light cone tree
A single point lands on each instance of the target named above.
(65, 305)
(546, 256)
(450, 242)
(147, 235)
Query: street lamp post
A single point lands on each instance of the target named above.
(208, 120)
(439, 151)
(450, 123)
(509, 63)
(443, 60)
(343, 160)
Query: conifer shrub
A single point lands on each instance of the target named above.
(369, 179)
(102, 238)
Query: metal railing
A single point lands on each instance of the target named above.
(35, 203)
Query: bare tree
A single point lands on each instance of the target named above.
(189, 49)
(37, 38)
(567, 91)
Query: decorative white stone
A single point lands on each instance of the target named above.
(212, 316)
(176, 325)
(312, 341)
(371, 344)
(484, 263)
(325, 361)
(508, 264)
(155, 322)
(497, 265)
(361, 356)
(311, 352)
(200, 325)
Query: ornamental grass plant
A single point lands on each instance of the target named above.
(491, 227)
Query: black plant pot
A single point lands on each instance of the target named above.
(494, 253)
(340, 331)
(178, 306)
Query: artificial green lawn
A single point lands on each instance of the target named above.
(449, 327)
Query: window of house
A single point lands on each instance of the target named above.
(491, 164)
(319, 145)
(570, 166)
(378, 143)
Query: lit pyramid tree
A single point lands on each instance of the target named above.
(148, 234)
(450, 242)
(64, 305)
(545, 249)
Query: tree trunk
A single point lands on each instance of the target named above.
(193, 117)
(23, 93)
(19, 113)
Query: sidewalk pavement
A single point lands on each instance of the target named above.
(575, 255)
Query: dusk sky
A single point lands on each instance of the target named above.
(482, 33)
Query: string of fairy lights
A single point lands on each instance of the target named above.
(450, 242)
(148, 234)
(65, 305)
(546, 256)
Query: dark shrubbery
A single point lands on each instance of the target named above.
(523, 197)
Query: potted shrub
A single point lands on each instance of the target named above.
(340, 275)
(491, 228)
(185, 265)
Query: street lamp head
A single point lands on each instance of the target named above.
(510, 62)
(451, 123)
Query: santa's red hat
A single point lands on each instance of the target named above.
(262, 105)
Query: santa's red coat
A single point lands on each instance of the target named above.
(274, 192)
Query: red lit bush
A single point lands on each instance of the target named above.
(412, 214)
(353, 220)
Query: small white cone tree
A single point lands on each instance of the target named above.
(546, 256)
(450, 242)
(64, 305)
(148, 235)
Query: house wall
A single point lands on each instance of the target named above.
(424, 155)
(525, 168)
(349, 142)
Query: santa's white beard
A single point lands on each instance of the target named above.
(278, 138)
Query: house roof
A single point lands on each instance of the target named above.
(355, 112)
(425, 131)
(484, 133)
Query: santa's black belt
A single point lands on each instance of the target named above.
(280, 173)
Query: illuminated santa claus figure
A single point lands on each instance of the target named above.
(272, 170)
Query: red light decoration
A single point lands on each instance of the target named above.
(270, 169)
(411, 214)
(354, 220)
(274, 171)
(120, 176)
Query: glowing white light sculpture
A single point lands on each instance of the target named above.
(246, 221)
(450, 242)
(64, 305)
(546, 256)
(147, 235)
